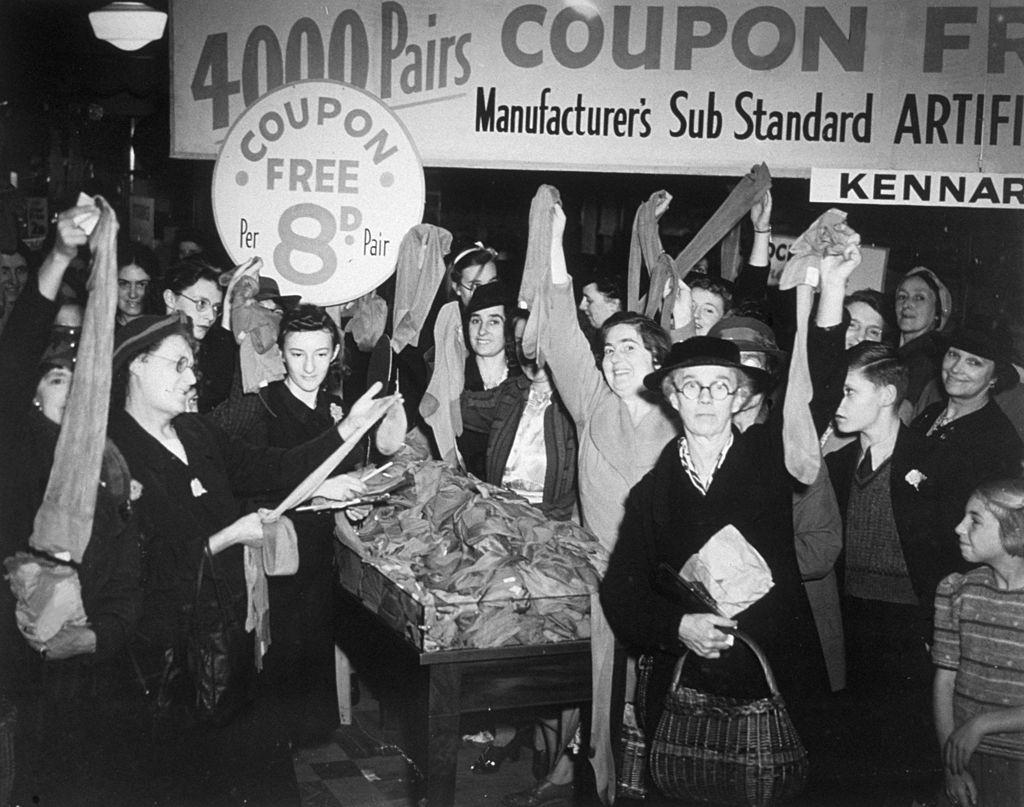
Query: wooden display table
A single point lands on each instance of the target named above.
(430, 691)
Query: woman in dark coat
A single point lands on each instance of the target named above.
(298, 670)
(711, 477)
(190, 474)
(499, 414)
(75, 689)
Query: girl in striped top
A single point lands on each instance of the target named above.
(979, 654)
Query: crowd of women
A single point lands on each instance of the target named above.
(897, 567)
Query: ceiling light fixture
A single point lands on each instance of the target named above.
(127, 24)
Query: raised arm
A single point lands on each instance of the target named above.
(575, 373)
(27, 330)
(835, 272)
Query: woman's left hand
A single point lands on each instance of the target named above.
(71, 640)
(358, 513)
(342, 488)
(366, 411)
(761, 213)
(701, 633)
(961, 744)
(391, 431)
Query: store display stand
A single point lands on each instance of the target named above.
(430, 691)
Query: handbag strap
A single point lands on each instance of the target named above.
(754, 646)
(217, 583)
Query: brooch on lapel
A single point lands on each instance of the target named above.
(915, 478)
(197, 488)
(134, 490)
(337, 413)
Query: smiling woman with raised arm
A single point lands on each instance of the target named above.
(621, 429)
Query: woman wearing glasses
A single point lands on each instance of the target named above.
(192, 287)
(188, 475)
(472, 268)
(710, 477)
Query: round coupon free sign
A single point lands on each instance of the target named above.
(321, 181)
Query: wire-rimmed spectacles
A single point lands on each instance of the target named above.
(691, 390)
(202, 304)
(180, 364)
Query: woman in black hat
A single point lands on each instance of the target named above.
(973, 429)
(488, 331)
(711, 477)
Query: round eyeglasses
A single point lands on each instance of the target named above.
(472, 286)
(180, 364)
(202, 304)
(691, 390)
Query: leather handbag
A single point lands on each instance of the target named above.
(727, 751)
(218, 652)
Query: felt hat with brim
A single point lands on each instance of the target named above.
(144, 332)
(487, 296)
(705, 351)
(747, 334)
(988, 344)
(269, 290)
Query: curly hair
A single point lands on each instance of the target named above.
(188, 272)
(309, 318)
(651, 334)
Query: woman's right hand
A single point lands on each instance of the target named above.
(248, 530)
(701, 633)
(69, 235)
(961, 790)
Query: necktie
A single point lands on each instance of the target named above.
(864, 468)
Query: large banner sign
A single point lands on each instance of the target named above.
(321, 181)
(632, 86)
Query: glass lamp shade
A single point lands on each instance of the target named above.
(127, 24)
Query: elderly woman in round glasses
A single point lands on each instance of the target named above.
(188, 474)
(710, 477)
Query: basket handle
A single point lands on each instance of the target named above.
(754, 646)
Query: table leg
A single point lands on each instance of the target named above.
(442, 735)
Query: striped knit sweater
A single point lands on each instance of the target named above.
(979, 632)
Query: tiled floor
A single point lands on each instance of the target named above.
(360, 767)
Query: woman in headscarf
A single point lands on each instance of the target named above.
(923, 307)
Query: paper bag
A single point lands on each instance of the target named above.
(732, 571)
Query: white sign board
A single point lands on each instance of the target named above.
(921, 188)
(321, 181)
(605, 85)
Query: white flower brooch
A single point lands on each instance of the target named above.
(915, 478)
